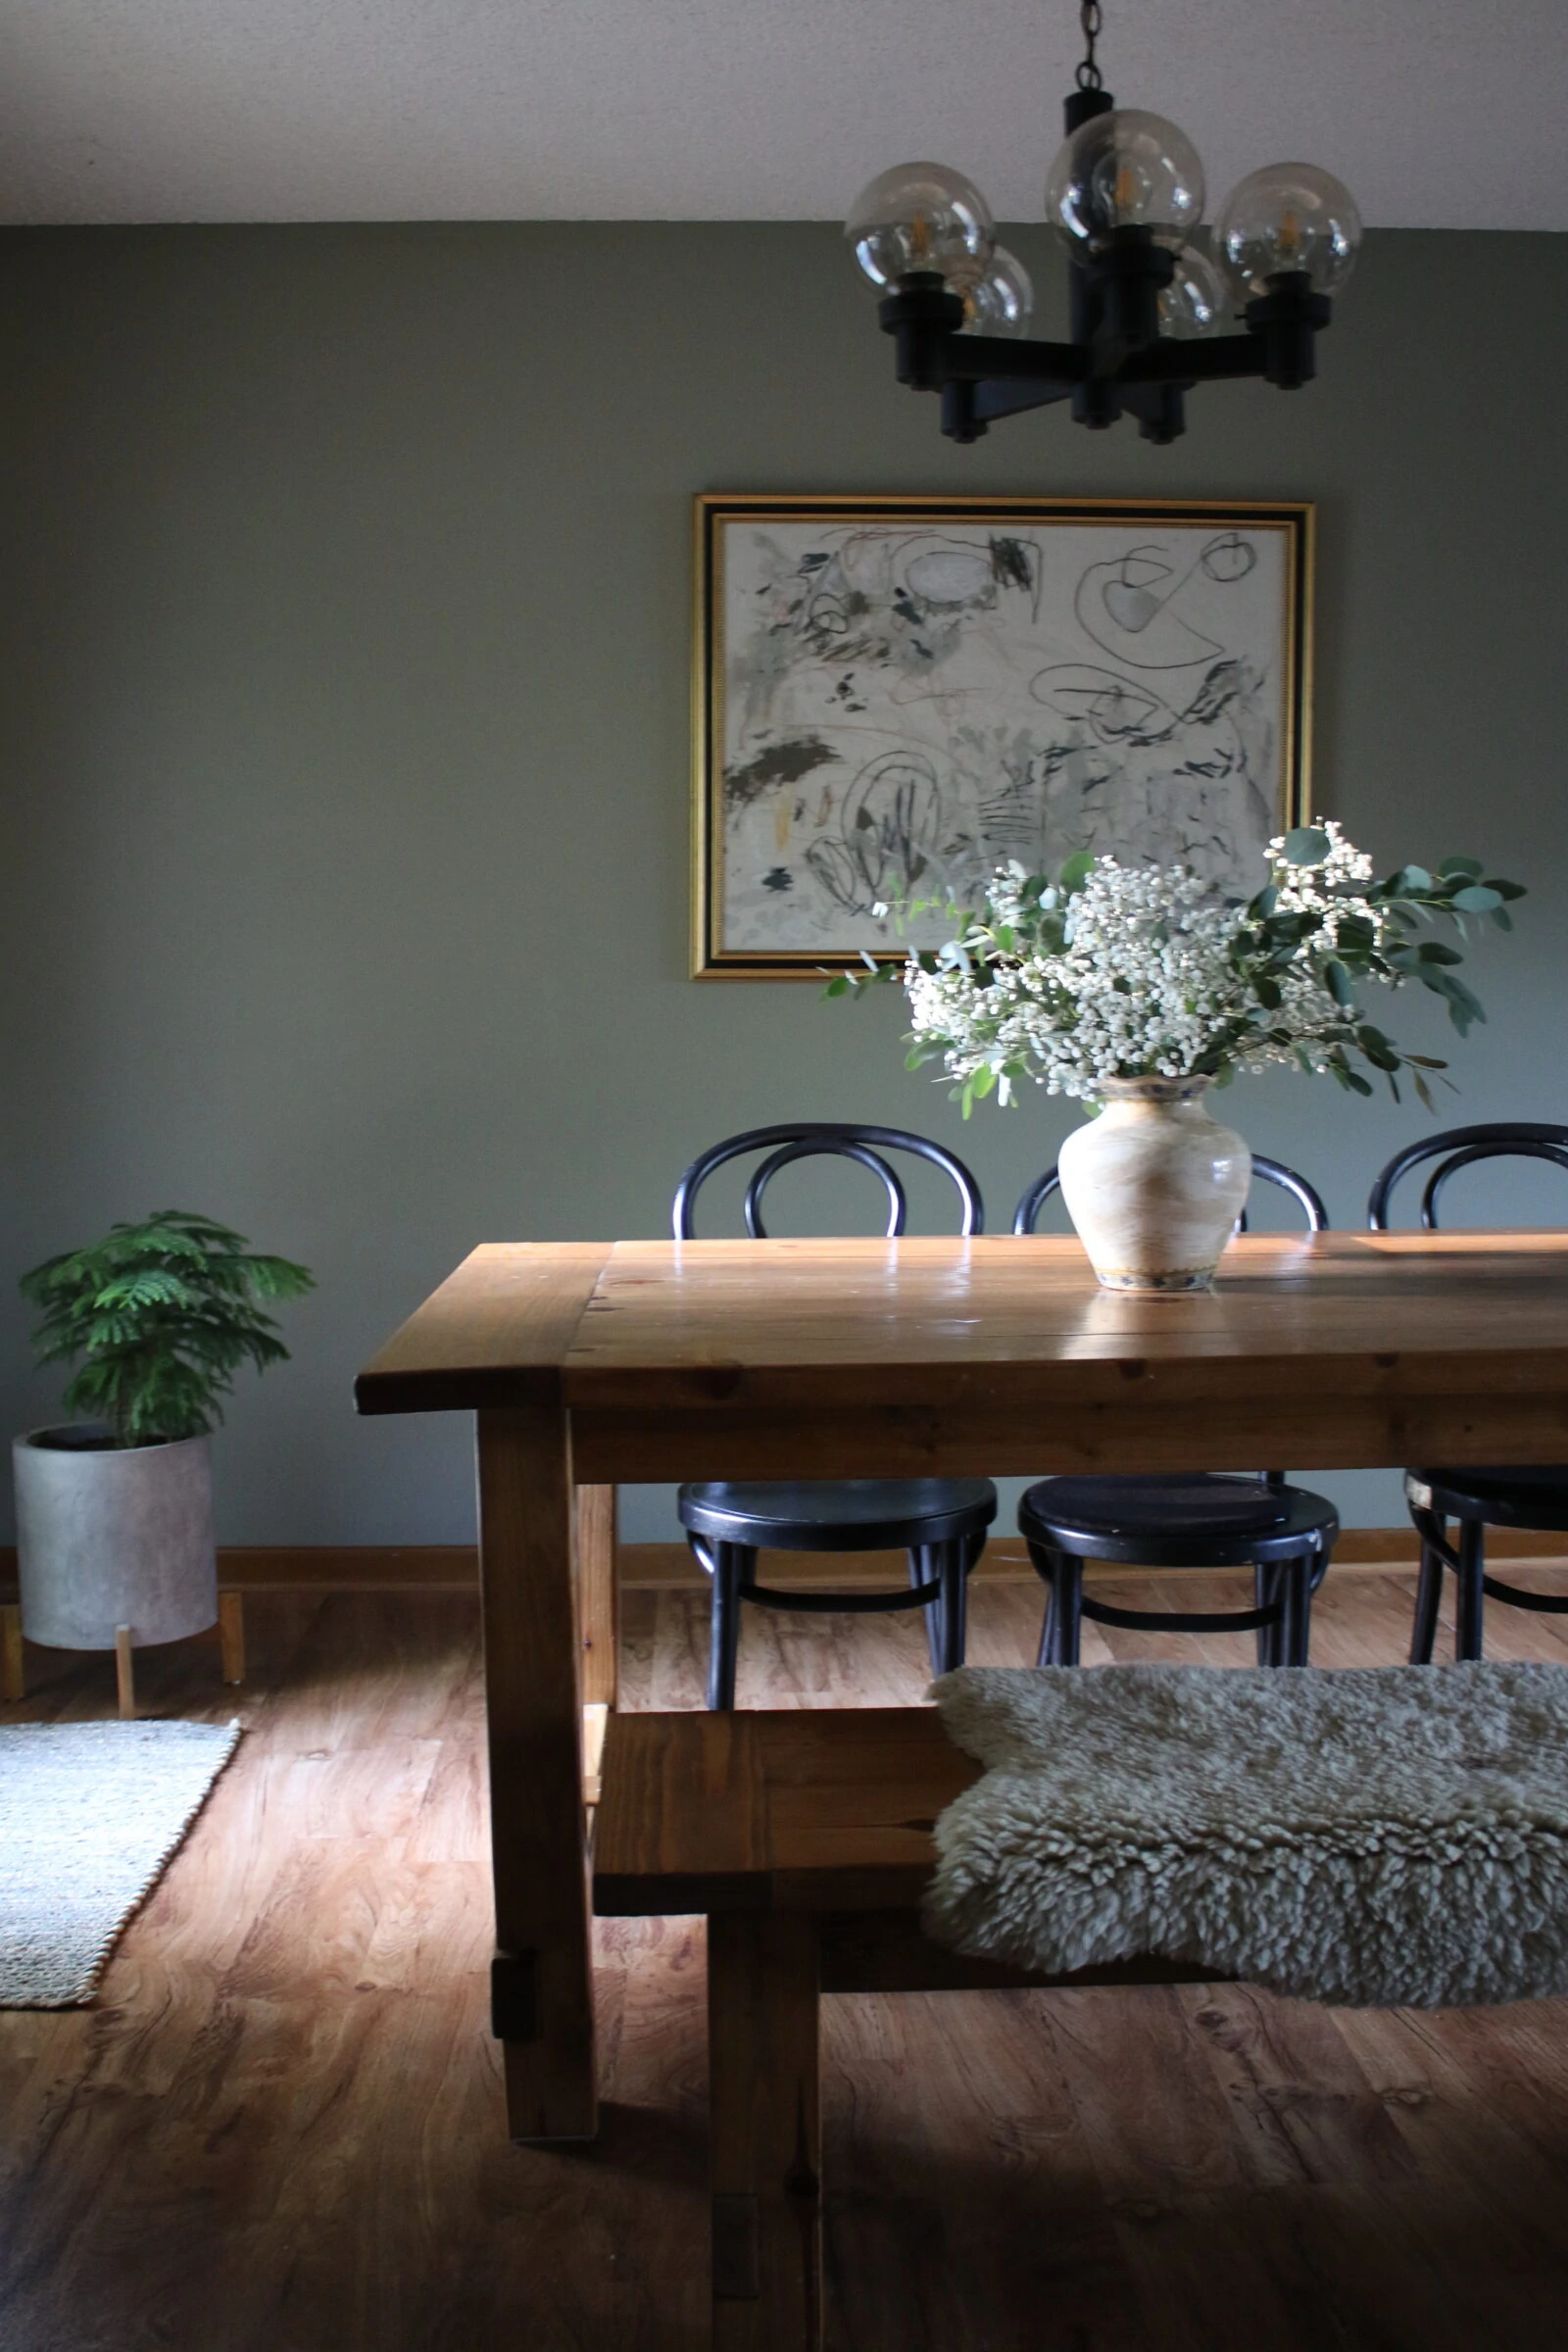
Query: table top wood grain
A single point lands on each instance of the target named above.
(735, 1359)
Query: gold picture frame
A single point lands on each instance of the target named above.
(888, 684)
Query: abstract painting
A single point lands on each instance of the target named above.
(895, 695)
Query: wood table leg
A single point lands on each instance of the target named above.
(542, 1982)
(762, 2002)
(595, 1727)
(596, 1594)
(13, 1671)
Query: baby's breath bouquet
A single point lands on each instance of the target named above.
(1123, 972)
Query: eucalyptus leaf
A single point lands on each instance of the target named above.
(1306, 845)
(1037, 983)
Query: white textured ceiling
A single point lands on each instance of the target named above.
(1439, 113)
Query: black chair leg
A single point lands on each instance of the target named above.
(1428, 1595)
(1045, 1565)
(952, 1566)
(1266, 1591)
(734, 1564)
(1296, 1627)
(1064, 1618)
(1468, 1632)
(925, 1562)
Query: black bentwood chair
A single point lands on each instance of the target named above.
(1202, 1520)
(1478, 1499)
(941, 1522)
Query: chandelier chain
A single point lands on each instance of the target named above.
(1090, 18)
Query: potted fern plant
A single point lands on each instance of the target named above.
(114, 1512)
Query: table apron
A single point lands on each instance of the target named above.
(991, 1436)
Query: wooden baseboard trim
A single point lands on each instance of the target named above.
(670, 1568)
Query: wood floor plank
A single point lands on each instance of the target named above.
(961, 2185)
(283, 2127)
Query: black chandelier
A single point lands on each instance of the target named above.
(1124, 196)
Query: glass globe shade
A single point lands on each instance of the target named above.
(1288, 217)
(1125, 169)
(922, 216)
(1197, 302)
(1002, 302)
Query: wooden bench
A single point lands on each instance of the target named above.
(807, 1838)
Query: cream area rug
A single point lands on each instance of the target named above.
(90, 1813)
(1379, 1837)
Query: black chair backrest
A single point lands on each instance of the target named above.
(1272, 1171)
(1458, 1148)
(865, 1145)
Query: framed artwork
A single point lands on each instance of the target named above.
(892, 695)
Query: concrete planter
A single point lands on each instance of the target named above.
(111, 1536)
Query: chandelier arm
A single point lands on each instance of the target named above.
(994, 398)
(968, 410)
(1007, 375)
(1002, 358)
(1214, 362)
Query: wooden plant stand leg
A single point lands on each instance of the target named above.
(231, 1634)
(125, 1672)
(596, 1594)
(762, 2002)
(13, 1670)
(542, 1980)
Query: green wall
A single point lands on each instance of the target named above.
(344, 642)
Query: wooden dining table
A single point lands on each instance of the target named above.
(588, 1363)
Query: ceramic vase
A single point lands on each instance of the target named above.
(1155, 1185)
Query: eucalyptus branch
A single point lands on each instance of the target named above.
(1109, 972)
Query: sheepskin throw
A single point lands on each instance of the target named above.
(1387, 1836)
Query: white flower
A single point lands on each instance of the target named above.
(1152, 976)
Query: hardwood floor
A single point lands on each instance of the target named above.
(280, 2129)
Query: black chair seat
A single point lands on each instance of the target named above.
(1500, 1495)
(1159, 1505)
(846, 1514)
(1202, 1520)
(1284, 1534)
(1524, 1496)
(940, 1522)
